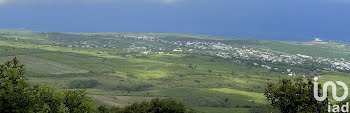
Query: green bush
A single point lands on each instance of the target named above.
(77, 101)
(18, 96)
(47, 99)
(15, 91)
(294, 96)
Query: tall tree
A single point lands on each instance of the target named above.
(15, 91)
(18, 96)
(294, 96)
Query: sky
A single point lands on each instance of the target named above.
(292, 20)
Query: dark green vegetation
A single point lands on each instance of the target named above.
(205, 73)
(17, 95)
(294, 96)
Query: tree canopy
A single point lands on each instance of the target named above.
(294, 96)
(17, 95)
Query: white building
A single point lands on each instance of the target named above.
(177, 50)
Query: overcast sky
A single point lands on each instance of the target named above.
(263, 19)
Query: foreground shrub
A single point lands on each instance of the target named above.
(77, 101)
(15, 91)
(18, 96)
(49, 100)
(294, 96)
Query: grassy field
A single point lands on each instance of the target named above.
(167, 76)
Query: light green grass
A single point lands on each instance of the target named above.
(257, 97)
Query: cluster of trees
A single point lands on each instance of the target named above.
(130, 86)
(83, 84)
(296, 96)
(17, 95)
